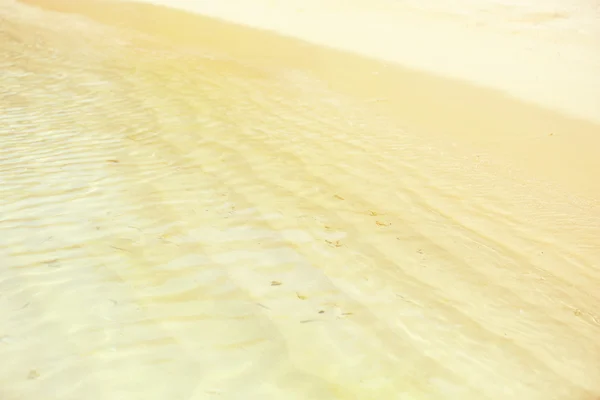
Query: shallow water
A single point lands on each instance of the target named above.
(179, 224)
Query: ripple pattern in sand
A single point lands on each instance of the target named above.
(179, 225)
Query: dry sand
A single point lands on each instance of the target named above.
(191, 209)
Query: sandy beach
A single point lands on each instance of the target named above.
(299, 200)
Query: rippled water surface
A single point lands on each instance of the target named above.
(176, 224)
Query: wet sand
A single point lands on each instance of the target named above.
(191, 209)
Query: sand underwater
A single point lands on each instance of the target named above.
(196, 209)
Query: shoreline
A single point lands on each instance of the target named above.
(544, 146)
(539, 53)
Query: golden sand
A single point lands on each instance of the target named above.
(195, 210)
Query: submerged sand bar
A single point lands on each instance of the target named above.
(191, 209)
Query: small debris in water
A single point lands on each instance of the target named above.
(33, 374)
(301, 297)
(275, 283)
